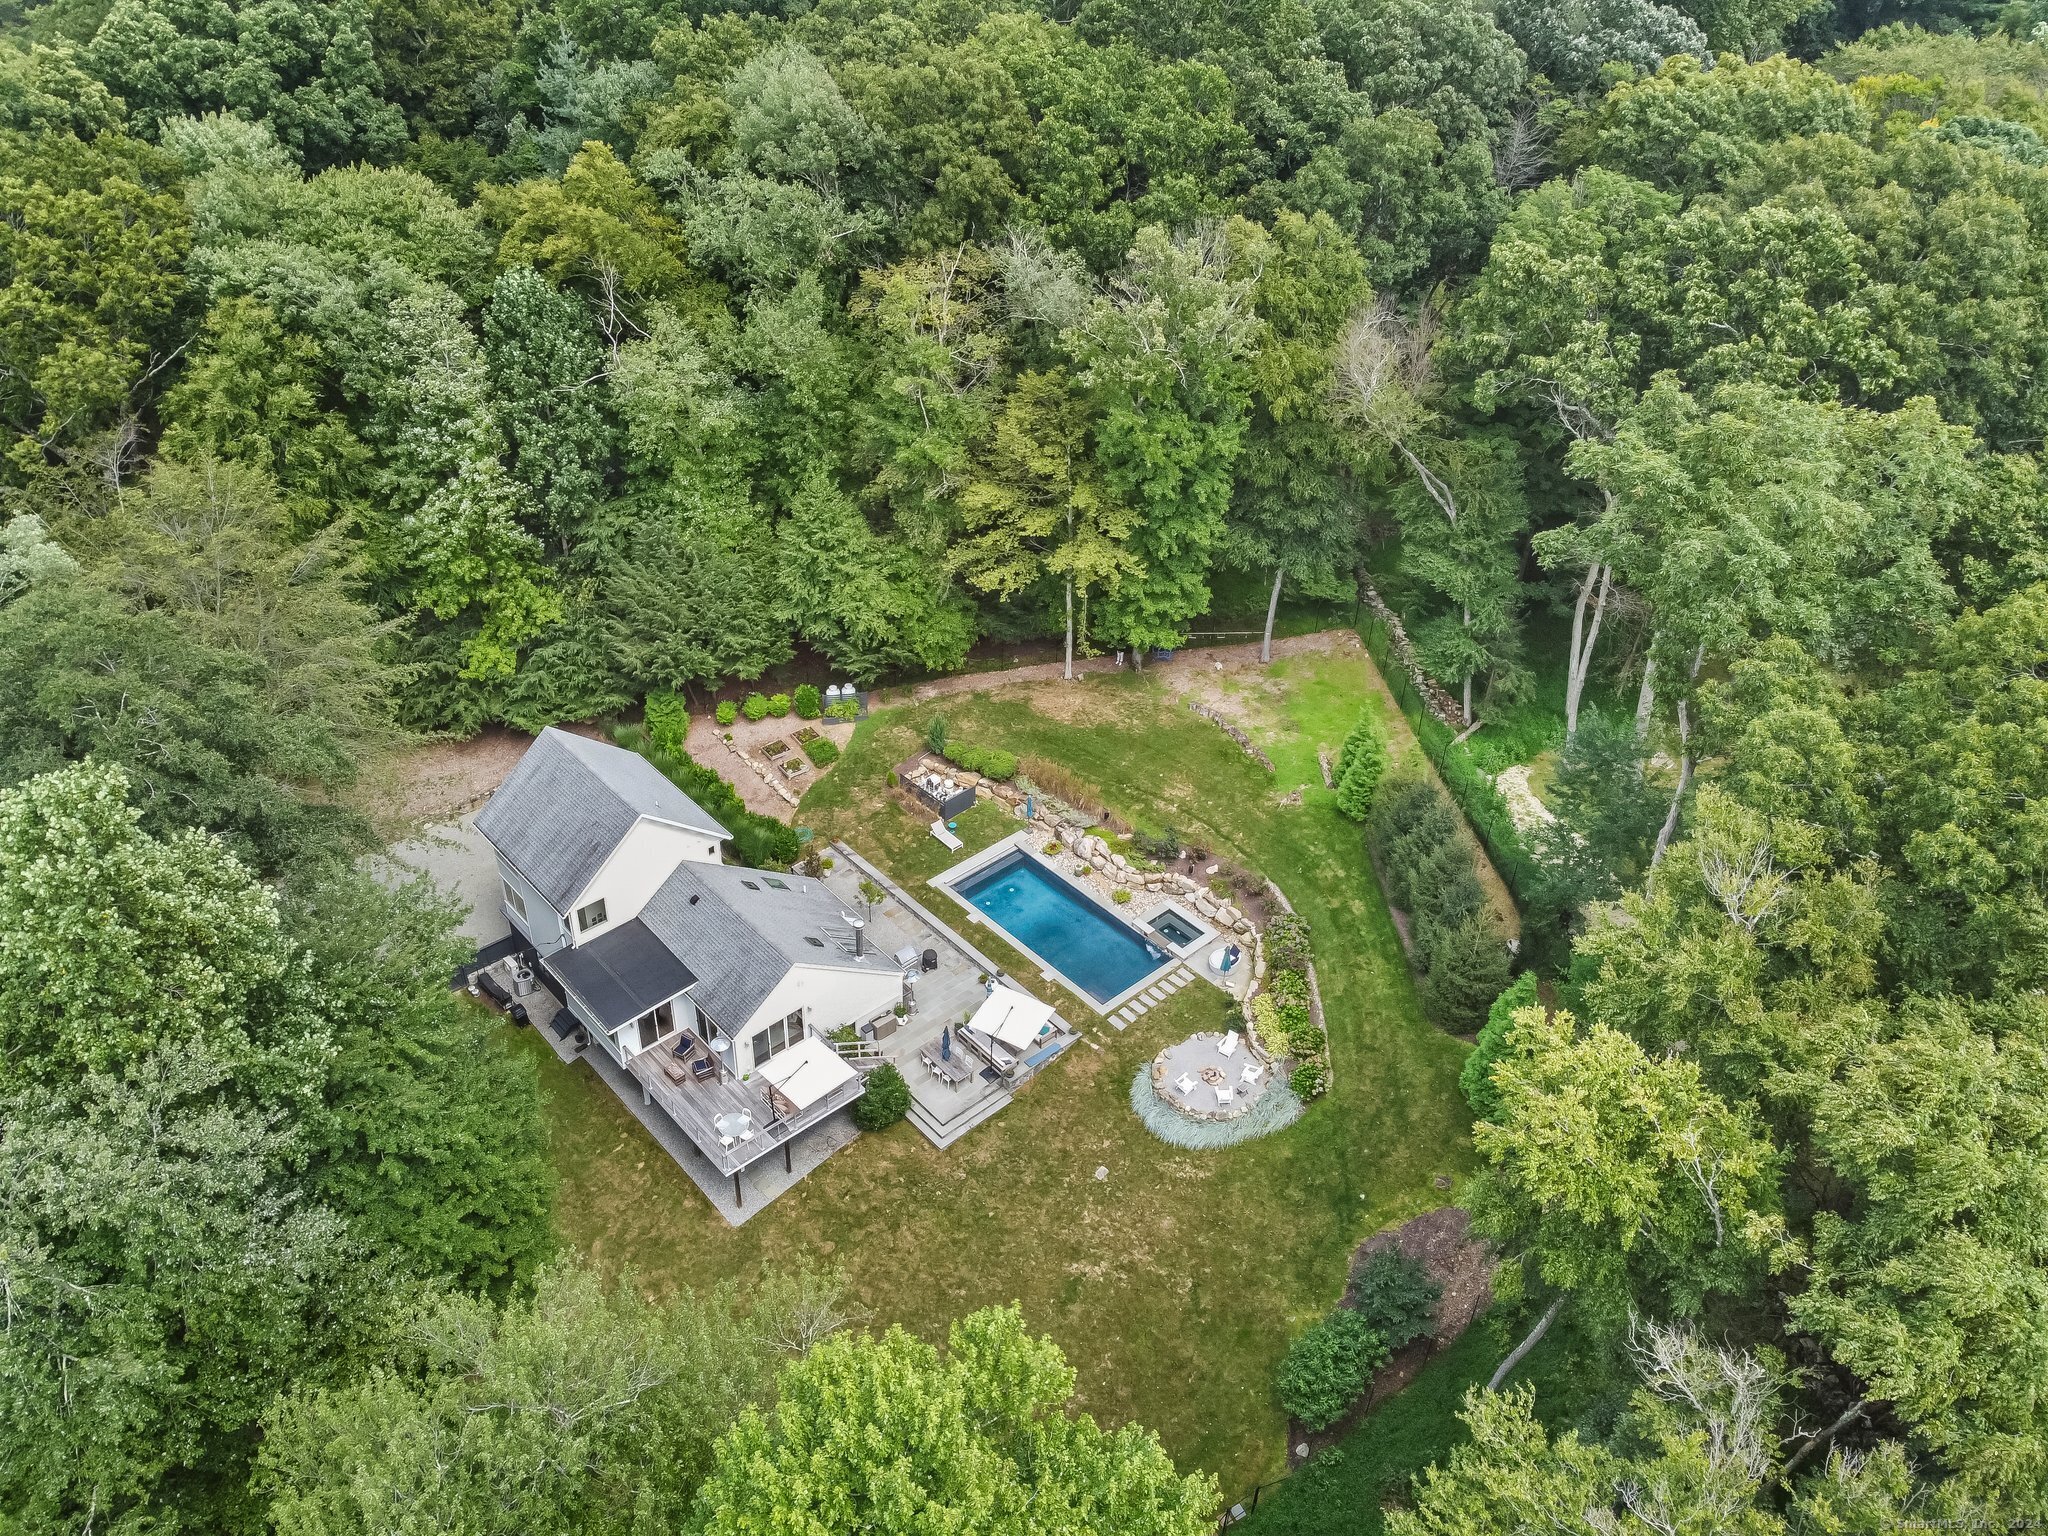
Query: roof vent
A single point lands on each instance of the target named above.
(693, 900)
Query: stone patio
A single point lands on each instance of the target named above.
(1200, 1057)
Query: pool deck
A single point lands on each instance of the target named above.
(1184, 962)
(949, 1096)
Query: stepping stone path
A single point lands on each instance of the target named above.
(1159, 992)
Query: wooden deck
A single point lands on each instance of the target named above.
(694, 1106)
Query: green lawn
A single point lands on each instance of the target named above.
(1174, 1283)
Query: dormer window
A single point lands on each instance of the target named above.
(592, 916)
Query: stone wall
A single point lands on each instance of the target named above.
(1222, 722)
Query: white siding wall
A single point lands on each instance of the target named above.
(645, 857)
(828, 999)
(542, 925)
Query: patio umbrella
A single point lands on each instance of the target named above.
(946, 1043)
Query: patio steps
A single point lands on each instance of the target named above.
(943, 1133)
(1159, 992)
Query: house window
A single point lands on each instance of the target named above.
(779, 1036)
(658, 1025)
(591, 916)
(514, 900)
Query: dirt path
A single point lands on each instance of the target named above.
(1193, 659)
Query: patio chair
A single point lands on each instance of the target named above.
(1229, 1045)
(1224, 1094)
(703, 1069)
(1251, 1074)
(1185, 1083)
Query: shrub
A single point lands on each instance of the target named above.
(778, 704)
(1327, 1368)
(821, 752)
(1475, 1078)
(1298, 1029)
(727, 712)
(1468, 970)
(1051, 848)
(1164, 848)
(1288, 986)
(886, 1101)
(1309, 1080)
(1396, 1297)
(1360, 764)
(935, 735)
(1120, 896)
(755, 708)
(843, 710)
(1287, 946)
(808, 705)
(1265, 1023)
(989, 762)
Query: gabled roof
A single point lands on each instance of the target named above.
(740, 931)
(622, 974)
(561, 812)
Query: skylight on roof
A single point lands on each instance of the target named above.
(814, 943)
(778, 884)
(750, 885)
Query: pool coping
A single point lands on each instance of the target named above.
(1021, 842)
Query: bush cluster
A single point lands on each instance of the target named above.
(845, 709)
(807, 702)
(1286, 1026)
(989, 762)
(886, 1101)
(778, 704)
(760, 842)
(821, 752)
(1328, 1366)
(1361, 762)
(727, 712)
(755, 707)
(1286, 941)
(1427, 861)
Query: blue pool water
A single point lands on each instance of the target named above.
(1066, 930)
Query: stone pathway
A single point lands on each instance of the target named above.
(1153, 995)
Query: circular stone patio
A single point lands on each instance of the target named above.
(1194, 1115)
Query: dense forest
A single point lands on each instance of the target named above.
(1678, 372)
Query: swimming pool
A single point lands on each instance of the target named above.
(1051, 919)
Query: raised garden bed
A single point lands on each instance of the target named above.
(775, 749)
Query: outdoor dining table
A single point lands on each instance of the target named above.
(733, 1124)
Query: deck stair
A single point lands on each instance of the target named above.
(943, 1133)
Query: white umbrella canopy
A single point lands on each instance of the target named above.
(807, 1072)
(1014, 1018)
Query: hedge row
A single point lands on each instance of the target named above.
(1426, 860)
(759, 842)
(1471, 789)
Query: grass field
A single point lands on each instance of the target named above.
(1174, 1283)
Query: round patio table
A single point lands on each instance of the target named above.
(732, 1124)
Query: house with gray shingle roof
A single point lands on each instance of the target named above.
(700, 977)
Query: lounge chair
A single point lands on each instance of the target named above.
(1223, 1093)
(1185, 1083)
(703, 1068)
(1229, 1045)
(1251, 1074)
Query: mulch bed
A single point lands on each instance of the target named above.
(1440, 1241)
